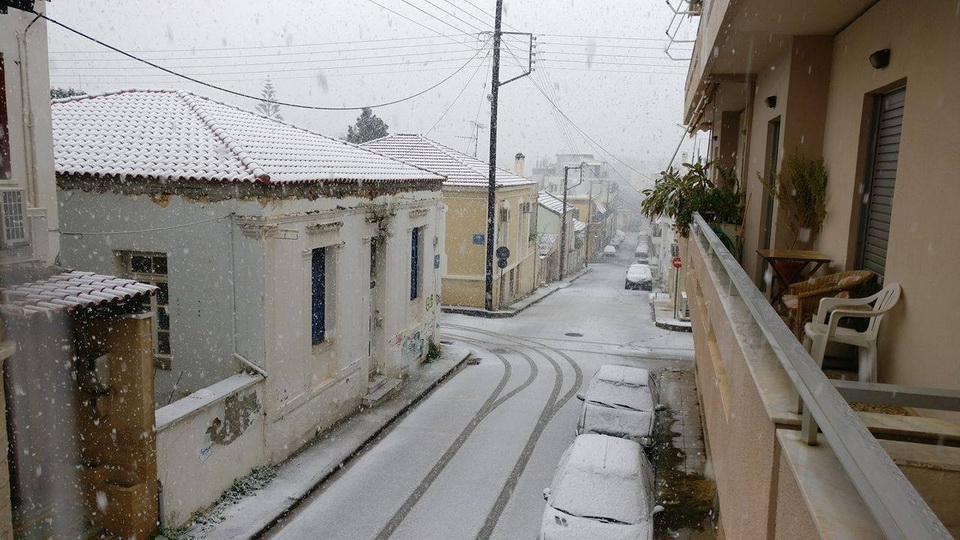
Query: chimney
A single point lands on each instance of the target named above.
(518, 163)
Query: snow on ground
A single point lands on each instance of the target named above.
(473, 457)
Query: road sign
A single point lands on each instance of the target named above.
(677, 263)
(501, 263)
(503, 252)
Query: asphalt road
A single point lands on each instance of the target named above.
(472, 459)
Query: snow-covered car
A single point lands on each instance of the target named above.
(620, 401)
(602, 489)
(642, 255)
(639, 277)
(610, 251)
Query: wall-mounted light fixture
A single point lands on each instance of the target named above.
(771, 101)
(880, 59)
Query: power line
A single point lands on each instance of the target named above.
(600, 62)
(613, 38)
(482, 21)
(598, 70)
(469, 25)
(316, 63)
(241, 94)
(589, 138)
(418, 47)
(432, 16)
(418, 23)
(261, 47)
(69, 79)
(452, 103)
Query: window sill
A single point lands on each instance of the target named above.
(322, 347)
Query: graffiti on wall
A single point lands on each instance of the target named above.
(412, 348)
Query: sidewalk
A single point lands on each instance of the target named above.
(300, 475)
(521, 304)
(662, 306)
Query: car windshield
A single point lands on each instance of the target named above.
(615, 395)
(601, 497)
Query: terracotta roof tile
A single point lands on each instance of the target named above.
(459, 168)
(69, 291)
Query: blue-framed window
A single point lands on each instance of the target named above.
(416, 262)
(318, 303)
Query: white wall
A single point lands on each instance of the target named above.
(28, 109)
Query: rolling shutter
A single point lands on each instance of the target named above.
(875, 229)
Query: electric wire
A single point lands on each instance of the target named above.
(248, 96)
(460, 93)
(431, 15)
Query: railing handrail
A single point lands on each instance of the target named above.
(893, 501)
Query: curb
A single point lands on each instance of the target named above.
(688, 328)
(503, 314)
(294, 502)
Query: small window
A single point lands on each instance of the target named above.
(318, 306)
(416, 262)
(152, 268)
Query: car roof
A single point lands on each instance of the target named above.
(623, 375)
(605, 455)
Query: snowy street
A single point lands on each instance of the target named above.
(472, 459)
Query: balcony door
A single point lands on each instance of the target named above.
(766, 240)
(880, 180)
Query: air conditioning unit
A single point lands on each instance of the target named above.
(12, 217)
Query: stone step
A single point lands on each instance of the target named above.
(375, 383)
(374, 397)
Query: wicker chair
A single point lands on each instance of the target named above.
(803, 299)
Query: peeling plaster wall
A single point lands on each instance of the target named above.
(207, 440)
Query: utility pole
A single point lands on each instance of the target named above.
(563, 218)
(492, 181)
(495, 84)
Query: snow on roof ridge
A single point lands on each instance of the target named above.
(220, 133)
(465, 160)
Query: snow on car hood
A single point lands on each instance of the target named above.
(638, 398)
(559, 526)
(617, 422)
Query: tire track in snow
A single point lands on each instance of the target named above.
(493, 517)
(492, 402)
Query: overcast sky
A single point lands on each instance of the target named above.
(355, 52)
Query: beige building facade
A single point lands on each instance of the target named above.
(872, 88)
(465, 196)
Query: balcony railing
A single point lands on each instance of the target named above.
(894, 502)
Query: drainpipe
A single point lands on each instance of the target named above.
(27, 112)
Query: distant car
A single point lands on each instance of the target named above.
(639, 277)
(610, 251)
(603, 488)
(641, 254)
(620, 401)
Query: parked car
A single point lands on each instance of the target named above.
(602, 489)
(641, 254)
(620, 401)
(639, 277)
(609, 251)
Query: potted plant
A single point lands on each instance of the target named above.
(678, 196)
(801, 194)
(802, 197)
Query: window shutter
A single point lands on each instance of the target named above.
(875, 227)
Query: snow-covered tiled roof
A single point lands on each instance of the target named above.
(551, 202)
(578, 225)
(459, 168)
(69, 291)
(174, 135)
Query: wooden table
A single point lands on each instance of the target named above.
(808, 264)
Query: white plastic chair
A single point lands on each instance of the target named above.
(824, 327)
